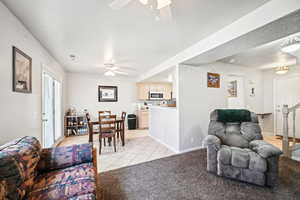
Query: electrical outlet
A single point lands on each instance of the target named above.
(192, 140)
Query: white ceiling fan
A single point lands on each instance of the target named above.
(112, 70)
(161, 8)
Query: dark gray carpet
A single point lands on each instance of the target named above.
(184, 176)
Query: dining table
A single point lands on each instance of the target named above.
(119, 123)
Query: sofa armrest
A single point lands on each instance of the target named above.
(63, 157)
(264, 149)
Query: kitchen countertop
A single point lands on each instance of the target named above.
(162, 107)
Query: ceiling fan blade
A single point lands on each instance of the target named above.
(126, 68)
(118, 4)
(119, 72)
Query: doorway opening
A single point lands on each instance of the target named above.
(51, 109)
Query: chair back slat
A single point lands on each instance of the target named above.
(107, 123)
(104, 112)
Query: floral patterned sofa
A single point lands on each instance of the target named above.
(29, 172)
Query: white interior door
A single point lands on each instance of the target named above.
(52, 110)
(287, 91)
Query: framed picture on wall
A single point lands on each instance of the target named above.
(232, 89)
(213, 80)
(22, 71)
(108, 93)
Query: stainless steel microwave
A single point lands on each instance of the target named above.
(156, 95)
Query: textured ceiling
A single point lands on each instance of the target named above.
(132, 37)
(263, 57)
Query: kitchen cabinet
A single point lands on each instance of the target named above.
(143, 119)
(144, 88)
(143, 91)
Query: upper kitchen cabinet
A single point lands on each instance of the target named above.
(144, 89)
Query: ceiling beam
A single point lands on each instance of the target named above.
(256, 19)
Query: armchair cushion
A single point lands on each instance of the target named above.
(251, 131)
(264, 149)
(234, 137)
(241, 158)
(62, 157)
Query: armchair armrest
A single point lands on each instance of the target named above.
(213, 145)
(62, 157)
(264, 149)
(212, 141)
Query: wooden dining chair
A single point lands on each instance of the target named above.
(90, 126)
(104, 112)
(107, 129)
(121, 126)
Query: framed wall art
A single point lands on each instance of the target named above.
(107, 93)
(213, 80)
(22, 71)
(232, 89)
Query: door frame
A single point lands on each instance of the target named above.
(46, 70)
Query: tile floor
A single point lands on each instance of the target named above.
(139, 147)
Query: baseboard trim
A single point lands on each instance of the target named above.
(168, 146)
(191, 149)
(174, 150)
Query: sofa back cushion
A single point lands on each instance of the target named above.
(63, 157)
(18, 161)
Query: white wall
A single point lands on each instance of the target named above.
(21, 113)
(163, 126)
(196, 101)
(83, 93)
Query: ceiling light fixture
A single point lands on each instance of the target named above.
(145, 2)
(73, 57)
(291, 45)
(282, 70)
(109, 73)
(163, 3)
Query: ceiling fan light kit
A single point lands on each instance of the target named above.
(291, 45)
(282, 70)
(156, 6)
(109, 73)
(145, 2)
(163, 3)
